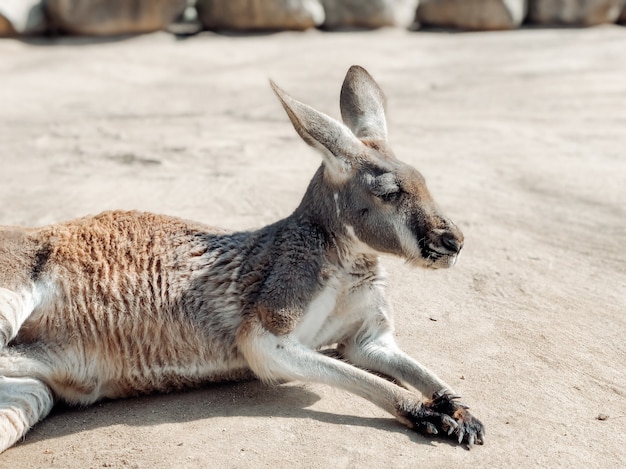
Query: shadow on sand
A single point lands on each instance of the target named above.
(246, 399)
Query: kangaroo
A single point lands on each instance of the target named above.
(128, 303)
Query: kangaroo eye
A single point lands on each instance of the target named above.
(389, 196)
(385, 187)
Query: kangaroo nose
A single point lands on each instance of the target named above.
(451, 242)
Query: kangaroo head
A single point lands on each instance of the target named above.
(379, 200)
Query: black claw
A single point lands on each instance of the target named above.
(461, 433)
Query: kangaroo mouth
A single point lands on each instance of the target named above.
(434, 258)
(419, 250)
(428, 251)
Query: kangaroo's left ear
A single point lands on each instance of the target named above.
(333, 139)
(363, 105)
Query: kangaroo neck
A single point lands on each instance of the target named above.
(319, 207)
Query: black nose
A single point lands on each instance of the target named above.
(451, 242)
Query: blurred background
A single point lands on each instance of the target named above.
(114, 17)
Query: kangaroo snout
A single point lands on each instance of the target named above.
(443, 246)
(451, 241)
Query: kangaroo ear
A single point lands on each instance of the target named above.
(334, 140)
(363, 105)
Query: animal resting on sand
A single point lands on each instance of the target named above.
(128, 303)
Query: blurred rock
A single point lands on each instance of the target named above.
(5, 27)
(260, 14)
(622, 17)
(368, 14)
(187, 24)
(473, 14)
(111, 17)
(21, 17)
(574, 12)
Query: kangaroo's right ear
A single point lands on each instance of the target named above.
(363, 105)
(333, 139)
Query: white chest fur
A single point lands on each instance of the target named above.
(316, 316)
(345, 302)
(335, 314)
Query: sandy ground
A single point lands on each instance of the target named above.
(522, 138)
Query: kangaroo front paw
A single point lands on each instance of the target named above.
(468, 428)
(424, 420)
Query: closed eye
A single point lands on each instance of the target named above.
(385, 187)
(389, 196)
